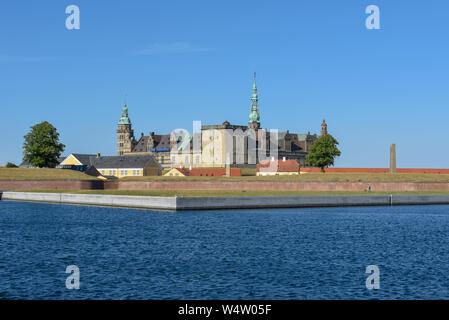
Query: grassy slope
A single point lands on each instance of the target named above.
(400, 177)
(229, 193)
(55, 174)
(42, 174)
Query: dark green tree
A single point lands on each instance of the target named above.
(11, 165)
(41, 147)
(323, 152)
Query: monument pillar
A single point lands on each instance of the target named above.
(393, 158)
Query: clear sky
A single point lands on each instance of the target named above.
(180, 61)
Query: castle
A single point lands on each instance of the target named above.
(212, 143)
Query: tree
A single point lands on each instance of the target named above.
(323, 152)
(11, 165)
(41, 147)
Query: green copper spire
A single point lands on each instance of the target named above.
(254, 114)
(124, 119)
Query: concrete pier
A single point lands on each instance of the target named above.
(212, 203)
(165, 203)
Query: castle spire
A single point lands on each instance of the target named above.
(124, 119)
(254, 97)
(254, 116)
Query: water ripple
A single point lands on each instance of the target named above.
(252, 254)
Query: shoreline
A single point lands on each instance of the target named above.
(222, 203)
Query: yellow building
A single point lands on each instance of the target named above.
(176, 172)
(113, 166)
(77, 159)
(127, 166)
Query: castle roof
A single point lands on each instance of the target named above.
(118, 162)
(83, 158)
(124, 119)
(161, 140)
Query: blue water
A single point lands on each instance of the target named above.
(316, 253)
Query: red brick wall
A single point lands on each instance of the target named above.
(434, 171)
(375, 170)
(276, 185)
(213, 172)
(10, 185)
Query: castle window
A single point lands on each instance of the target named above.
(122, 173)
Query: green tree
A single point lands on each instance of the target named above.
(41, 147)
(11, 165)
(323, 152)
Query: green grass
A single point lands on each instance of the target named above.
(59, 174)
(353, 177)
(248, 171)
(42, 174)
(230, 193)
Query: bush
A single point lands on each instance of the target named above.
(11, 165)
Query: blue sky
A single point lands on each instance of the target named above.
(180, 61)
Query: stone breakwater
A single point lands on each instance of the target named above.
(212, 203)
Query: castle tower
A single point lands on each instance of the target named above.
(125, 134)
(254, 116)
(323, 128)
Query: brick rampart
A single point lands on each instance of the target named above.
(374, 170)
(277, 185)
(10, 185)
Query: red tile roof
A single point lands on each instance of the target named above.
(209, 172)
(278, 166)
